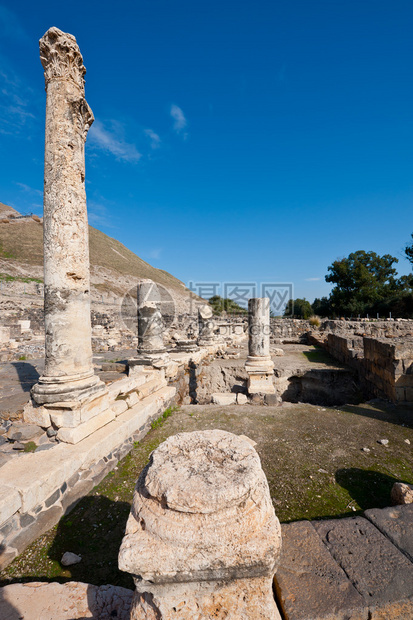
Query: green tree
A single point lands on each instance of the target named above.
(408, 250)
(362, 280)
(298, 308)
(321, 307)
(221, 304)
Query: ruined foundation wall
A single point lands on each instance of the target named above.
(388, 369)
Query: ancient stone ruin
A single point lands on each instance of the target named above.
(259, 365)
(202, 539)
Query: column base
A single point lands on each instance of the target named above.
(157, 359)
(186, 346)
(260, 375)
(63, 389)
(240, 598)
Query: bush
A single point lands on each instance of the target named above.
(315, 321)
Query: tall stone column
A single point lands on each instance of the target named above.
(202, 539)
(68, 373)
(259, 365)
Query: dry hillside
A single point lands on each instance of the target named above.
(114, 268)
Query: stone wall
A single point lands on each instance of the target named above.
(384, 365)
(388, 368)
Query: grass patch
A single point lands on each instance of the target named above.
(319, 356)
(6, 277)
(30, 446)
(161, 420)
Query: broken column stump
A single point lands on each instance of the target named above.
(259, 366)
(202, 539)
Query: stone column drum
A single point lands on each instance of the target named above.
(150, 323)
(202, 540)
(68, 373)
(259, 365)
(206, 325)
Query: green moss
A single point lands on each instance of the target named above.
(30, 446)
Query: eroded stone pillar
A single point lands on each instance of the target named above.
(206, 325)
(259, 365)
(68, 373)
(202, 540)
(150, 323)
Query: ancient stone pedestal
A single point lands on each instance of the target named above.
(68, 373)
(151, 348)
(202, 540)
(259, 365)
(206, 325)
(186, 346)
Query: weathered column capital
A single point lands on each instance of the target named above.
(63, 63)
(61, 58)
(202, 539)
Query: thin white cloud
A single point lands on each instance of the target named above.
(179, 118)
(15, 101)
(98, 214)
(312, 279)
(155, 253)
(111, 141)
(154, 138)
(30, 190)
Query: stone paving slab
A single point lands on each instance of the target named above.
(69, 601)
(309, 582)
(378, 570)
(396, 523)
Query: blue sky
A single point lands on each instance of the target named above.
(256, 140)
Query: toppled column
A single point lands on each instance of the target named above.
(259, 365)
(68, 373)
(206, 325)
(202, 540)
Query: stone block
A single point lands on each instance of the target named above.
(402, 493)
(10, 502)
(242, 399)
(309, 583)
(132, 399)
(378, 570)
(36, 476)
(68, 601)
(125, 385)
(33, 414)
(397, 524)
(73, 496)
(7, 555)
(119, 406)
(72, 413)
(224, 398)
(74, 435)
(44, 521)
(151, 386)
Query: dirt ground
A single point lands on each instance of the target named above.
(320, 462)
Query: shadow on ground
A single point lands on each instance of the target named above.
(94, 531)
(384, 411)
(370, 489)
(27, 374)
